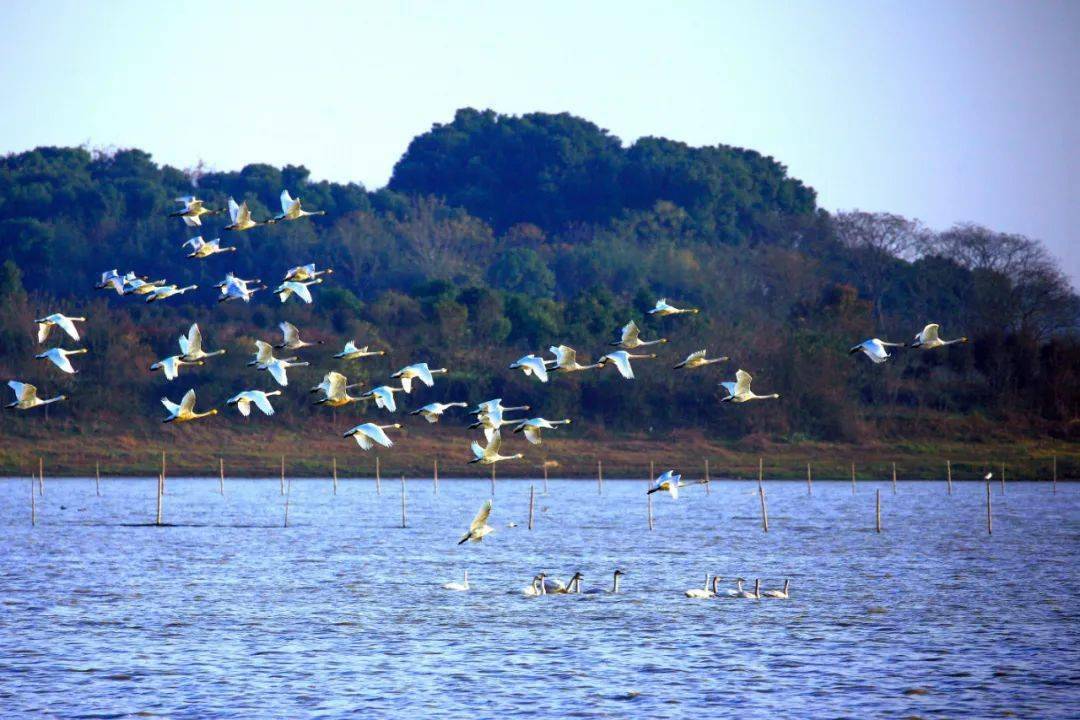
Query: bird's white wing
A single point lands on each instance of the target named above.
(170, 367)
(244, 213)
(292, 335)
(172, 407)
(194, 242)
(363, 440)
(278, 371)
(263, 351)
(698, 355)
(301, 291)
(23, 391)
(477, 450)
(286, 202)
(630, 332)
(43, 331)
(423, 372)
(406, 384)
(69, 327)
(481, 517)
(187, 403)
(194, 339)
(730, 387)
(388, 400)
(61, 361)
(538, 368)
(350, 347)
(234, 211)
(192, 220)
(532, 434)
(622, 362)
(742, 381)
(930, 332)
(244, 405)
(262, 402)
(335, 384)
(376, 433)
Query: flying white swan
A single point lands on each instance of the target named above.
(928, 339)
(479, 528)
(201, 249)
(278, 367)
(778, 594)
(306, 272)
(670, 482)
(494, 419)
(191, 348)
(243, 401)
(351, 352)
(702, 593)
(240, 217)
(566, 359)
(26, 396)
(193, 211)
(458, 586)
(621, 360)
(111, 279)
(291, 210)
(64, 322)
(631, 339)
(59, 358)
(433, 411)
(367, 434)
(533, 365)
(384, 397)
(419, 371)
(662, 309)
(533, 426)
(171, 365)
(140, 286)
(335, 389)
(490, 455)
(291, 338)
(263, 356)
(234, 288)
(294, 287)
(185, 411)
(875, 349)
(494, 406)
(698, 359)
(740, 392)
(167, 291)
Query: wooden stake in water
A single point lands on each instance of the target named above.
(599, 477)
(532, 495)
(221, 476)
(288, 495)
(97, 478)
(33, 503)
(1053, 471)
(852, 478)
(948, 475)
(894, 478)
(493, 479)
(333, 470)
(649, 498)
(378, 477)
(707, 491)
(404, 517)
(989, 510)
(761, 494)
(545, 476)
(877, 511)
(1002, 478)
(41, 476)
(435, 475)
(282, 474)
(160, 498)
(809, 481)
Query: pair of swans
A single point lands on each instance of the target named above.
(191, 353)
(927, 339)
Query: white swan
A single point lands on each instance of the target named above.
(419, 371)
(462, 586)
(263, 356)
(201, 249)
(494, 406)
(111, 279)
(291, 337)
(875, 349)
(705, 592)
(533, 365)
(335, 389)
(185, 411)
(291, 210)
(167, 291)
(139, 286)
(26, 396)
(171, 365)
(669, 482)
(566, 359)
(64, 322)
(234, 288)
(778, 594)
(756, 594)
(740, 392)
(536, 588)
(59, 358)
(697, 359)
(384, 397)
(191, 348)
(479, 528)
(662, 309)
(631, 339)
(193, 211)
(367, 434)
(492, 420)
(240, 217)
(243, 401)
(533, 426)
(351, 352)
(295, 287)
(433, 411)
(621, 360)
(737, 591)
(490, 455)
(278, 367)
(306, 272)
(928, 339)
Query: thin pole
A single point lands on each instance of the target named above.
(989, 511)
(948, 475)
(532, 494)
(648, 484)
(761, 494)
(288, 495)
(649, 497)
(282, 474)
(894, 478)
(1054, 471)
(41, 477)
(652, 471)
(852, 478)
(877, 512)
(333, 466)
(707, 492)
(33, 502)
(160, 498)
(809, 481)
(378, 477)
(404, 516)
(163, 470)
(221, 476)
(545, 476)
(1002, 478)
(435, 475)
(599, 477)
(493, 479)
(97, 478)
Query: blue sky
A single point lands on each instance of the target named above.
(944, 111)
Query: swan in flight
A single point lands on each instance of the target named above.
(662, 309)
(201, 249)
(479, 527)
(621, 360)
(698, 359)
(306, 272)
(702, 593)
(419, 371)
(240, 217)
(139, 286)
(278, 367)
(533, 426)
(600, 591)
(291, 210)
(185, 411)
(167, 291)
(294, 287)
(64, 322)
(533, 365)
(566, 359)
(367, 434)
(193, 211)
(234, 288)
(875, 349)
(59, 358)
(335, 389)
(778, 594)
(191, 348)
(291, 338)
(494, 419)
(384, 397)
(490, 455)
(243, 401)
(351, 352)
(670, 482)
(263, 356)
(171, 365)
(433, 411)
(631, 339)
(26, 396)
(111, 279)
(494, 406)
(458, 586)
(755, 595)
(928, 339)
(740, 392)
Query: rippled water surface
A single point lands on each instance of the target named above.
(227, 613)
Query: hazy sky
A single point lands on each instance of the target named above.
(944, 111)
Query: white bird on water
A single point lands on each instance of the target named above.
(384, 397)
(778, 594)
(185, 411)
(697, 359)
(702, 593)
(240, 217)
(418, 371)
(26, 396)
(755, 595)
(566, 359)
(201, 249)
(479, 528)
(928, 338)
(278, 368)
(291, 338)
(171, 365)
(306, 272)
(295, 287)
(64, 322)
(351, 352)
(433, 411)
(367, 434)
(458, 586)
(191, 348)
(631, 338)
(532, 427)
(875, 349)
(740, 392)
(244, 400)
(533, 365)
(167, 291)
(291, 210)
(621, 360)
(490, 455)
(662, 309)
(59, 358)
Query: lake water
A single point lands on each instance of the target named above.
(228, 613)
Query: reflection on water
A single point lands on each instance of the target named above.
(227, 613)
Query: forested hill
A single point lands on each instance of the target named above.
(498, 236)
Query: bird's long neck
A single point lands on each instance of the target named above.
(615, 583)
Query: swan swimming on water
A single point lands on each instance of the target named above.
(458, 586)
(755, 595)
(702, 593)
(601, 591)
(778, 594)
